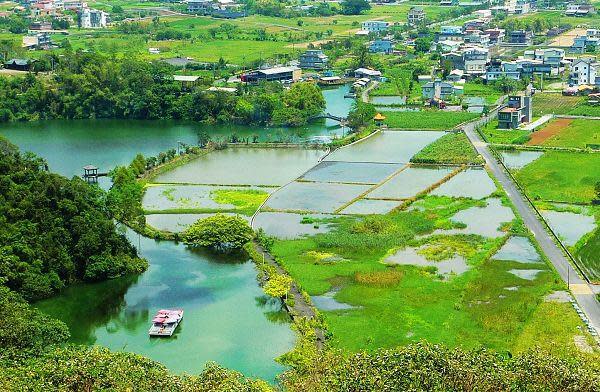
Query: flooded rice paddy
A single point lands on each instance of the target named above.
(285, 225)
(245, 166)
(388, 100)
(473, 183)
(409, 182)
(569, 226)
(410, 256)
(177, 223)
(369, 206)
(484, 221)
(351, 172)
(519, 249)
(386, 147)
(519, 159)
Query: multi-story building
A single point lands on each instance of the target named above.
(202, 7)
(551, 56)
(522, 7)
(517, 111)
(496, 35)
(375, 26)
(502, 69)
(475, 60)
(438, 89)
(381, 46)
(92, 19)
(37, 41)
(585, 71)
(580, 10)
(520, 37)
(451, 33)
(313, 59)
(416, 16)
(276, 74)
(477, 37)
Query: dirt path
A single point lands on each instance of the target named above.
(553, 128)
(301, 307)
(566, 38)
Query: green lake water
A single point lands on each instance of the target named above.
(227, 319)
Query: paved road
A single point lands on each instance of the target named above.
(582, 291)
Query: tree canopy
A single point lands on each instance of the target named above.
(219, 231)
(55, 231)
(355, 7)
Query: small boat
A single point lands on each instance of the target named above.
(165, 322)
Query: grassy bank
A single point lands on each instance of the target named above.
(428, 119)
(452, 148)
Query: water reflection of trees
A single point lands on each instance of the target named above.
(86, 307)
(272, 309)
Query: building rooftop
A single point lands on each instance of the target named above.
(185, 78)
(276, 70)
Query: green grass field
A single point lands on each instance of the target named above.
(427, 119)
(401, 304)
(552, 103)
(588, 255)
(452, 148)
(504, 136)
(578, 134)
(561, 176)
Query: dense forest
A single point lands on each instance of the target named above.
(86, 85)
(55, 231)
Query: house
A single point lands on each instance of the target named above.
(477, 37)
(475, 60)
(450, 33)
(520, 38)
(517, 111)
(455, 75)
(496, 35)
(580, 10)
(381, 46)
(19, 64)
(92, 19)
(276, 74)
(449, 46)
(314, 59)
(416, 16)
(585, 71)
(40, 25)
(502, 69)
(375, 26)
(485, 15)
(440, 90)
(551, 56)
(522, 7)
(367, 73)
(202, 7)
(37, 41)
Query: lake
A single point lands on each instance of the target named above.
(227, 319)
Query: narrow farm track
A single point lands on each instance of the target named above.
(583, 292)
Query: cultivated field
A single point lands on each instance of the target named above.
(428, 119)
(568, 133)
(561, 176)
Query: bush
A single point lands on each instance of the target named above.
(219, 231)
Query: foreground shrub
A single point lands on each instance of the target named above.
(427, 367)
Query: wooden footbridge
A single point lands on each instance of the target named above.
(91, 174)
(341, 120)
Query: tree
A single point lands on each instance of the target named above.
(597, 190)
(355, 7)
(361, 114)
(278, 286)
(222, 232)
(203, 138)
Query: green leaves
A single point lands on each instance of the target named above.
(219, 231)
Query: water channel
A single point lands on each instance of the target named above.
(227, 318)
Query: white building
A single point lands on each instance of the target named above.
(375, 26)
(585, 71)
(92, 19)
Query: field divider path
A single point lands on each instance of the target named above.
(365, 193)
(586, 298)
